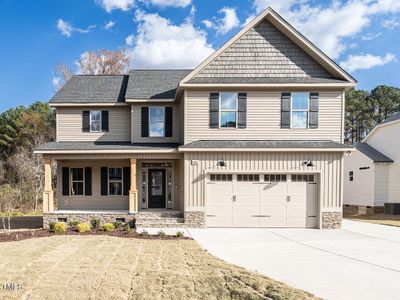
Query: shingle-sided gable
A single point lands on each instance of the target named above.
(264, 52)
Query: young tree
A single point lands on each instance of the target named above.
(7, 205)
(103, 62)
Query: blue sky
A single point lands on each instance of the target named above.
(361, 35)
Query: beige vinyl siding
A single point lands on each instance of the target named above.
(327, 164)
(69, 124)
(96, 201)
(263, 118)
(381, 184)
(137, 124)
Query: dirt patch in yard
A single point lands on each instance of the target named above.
(391, 220)
(29, 234)
(104, 267)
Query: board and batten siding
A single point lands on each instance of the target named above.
(327, 164)
(263, 118)
(137, 124)
(69, 124)
(96, 201)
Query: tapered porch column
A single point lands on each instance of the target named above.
(48, 194)
(133, 194)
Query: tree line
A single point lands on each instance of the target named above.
(24, 128)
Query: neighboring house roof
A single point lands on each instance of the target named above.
(250, 80)
(372, 153)
(392, 118)
(285, 28)
(92, 89)
(55, 147)
(154, 84)
(264, 144)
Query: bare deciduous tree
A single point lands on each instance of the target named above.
(104, 62)
(63, 73)
(8, 197)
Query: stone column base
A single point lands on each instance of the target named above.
(331, 220)
(195, 219)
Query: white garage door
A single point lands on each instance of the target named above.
(262, 200)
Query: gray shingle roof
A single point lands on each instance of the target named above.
(372, 153)
(154, 84)
(255, 144)
(263, 80)
(393, 117)
(67, 146)
(92, 89)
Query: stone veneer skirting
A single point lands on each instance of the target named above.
(331, 220)
(195, 219)
(104, 217)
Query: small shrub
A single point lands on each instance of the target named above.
(108, 227)
(73, 224)
(95, 223)
(127, 228)
(118, 224)
(144, 233)
(83, 227)
(179, 234)
(60, 227)
(161, 233)
(51, 226)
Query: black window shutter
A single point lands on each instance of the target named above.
(104, 120)
(86, 121)
(65, 181)
(127, 180)
(145, 122)
(285, 110)
(214, 110)
(104, 181)
(313, 117)
(242, 110)
(88, 181)
(168, 122)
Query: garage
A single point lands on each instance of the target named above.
(262, 200)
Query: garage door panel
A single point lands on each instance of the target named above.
(245, 221)
(246, 189)
(274, 188)
(218, 221)
(219, 189)
(273, 221)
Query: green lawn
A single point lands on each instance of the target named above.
(104, 267)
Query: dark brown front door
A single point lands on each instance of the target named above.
(157, 188)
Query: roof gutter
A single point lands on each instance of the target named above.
(182, 149)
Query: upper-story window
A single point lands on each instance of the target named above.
(95, 121)
(300, 108)
(157, 121)
(229, 106)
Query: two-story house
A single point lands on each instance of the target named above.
(252, 137)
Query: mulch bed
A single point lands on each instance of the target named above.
(29, 234)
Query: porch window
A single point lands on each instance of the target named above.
(115, 181)
(95, 121)
(77, 181)
(300, 110)
(157, 121)
(229, 106)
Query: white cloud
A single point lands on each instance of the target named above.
(371, 36)
(129, 40)
(56, 82)
(390, 24)
(110, 5)
(168, 3)
(366, 61)
(67, 29)
(161, 44)
(329, 26)
(109, 25)
(224, 24)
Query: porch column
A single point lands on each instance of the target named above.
(133, 194)
(48, 194)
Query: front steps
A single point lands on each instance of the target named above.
(159, 219)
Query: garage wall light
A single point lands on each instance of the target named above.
(221, 163)
(308, 163)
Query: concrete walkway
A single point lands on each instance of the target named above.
(360, 261)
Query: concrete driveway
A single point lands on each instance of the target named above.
(360, 261)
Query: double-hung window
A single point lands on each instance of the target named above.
(300, 107)
(228, 111)
(95, 121)
(77, 181)
(156, 121)
(115, 181)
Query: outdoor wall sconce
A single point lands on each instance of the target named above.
(222, 163)
(308, 163)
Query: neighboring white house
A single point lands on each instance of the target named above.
(372, 172)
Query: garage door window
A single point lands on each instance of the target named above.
(221, 177)
(248, 177)
(275, 177)
(303, 178)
